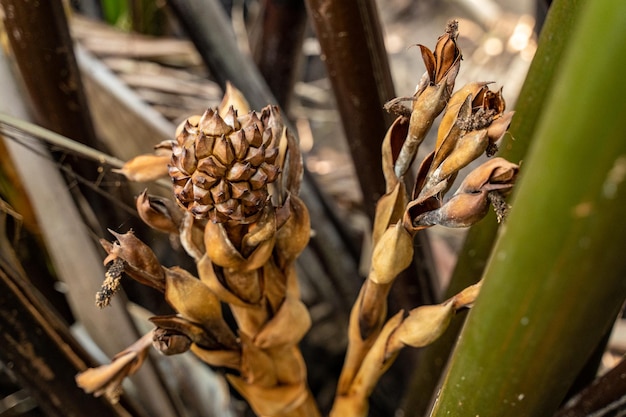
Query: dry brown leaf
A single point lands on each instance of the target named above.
(140, 262)
(107, 379)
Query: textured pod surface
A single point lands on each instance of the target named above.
(221, 166)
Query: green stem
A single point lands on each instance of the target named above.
(555, 280)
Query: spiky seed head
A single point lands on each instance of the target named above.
(221, 166)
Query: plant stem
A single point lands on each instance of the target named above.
(555, 281)
(356, 60)
(277, 48)
(479, 241)
(42, 47)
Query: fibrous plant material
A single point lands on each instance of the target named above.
(236, 174)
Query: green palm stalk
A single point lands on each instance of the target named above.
(555, 281)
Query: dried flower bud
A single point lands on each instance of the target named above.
(235, 99)
(423, 326)
(473, 122)
(144, 168)
(107, 379)
(159, 213)
(459, 107)
(471, 201)
(140, 262)
(432, 94)
(468, 147)
(496, 131)
(176, 324)
(170, 342)
(392, 254)
(493, 174)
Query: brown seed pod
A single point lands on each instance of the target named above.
(221, 164)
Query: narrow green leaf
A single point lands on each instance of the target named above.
(556, 279)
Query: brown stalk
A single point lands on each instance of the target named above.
(43, 51)
(351, 40)
(277, 46)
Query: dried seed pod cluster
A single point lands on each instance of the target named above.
(221, 166)
(473, 120)
(237, 214)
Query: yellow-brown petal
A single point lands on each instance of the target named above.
(292, 315)
(233, 97)
(144, 168)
